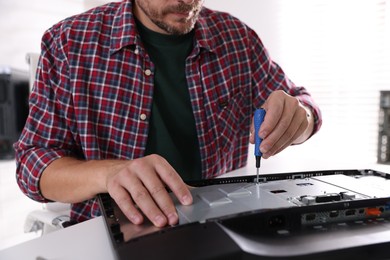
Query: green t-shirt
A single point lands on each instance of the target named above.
(172, 131)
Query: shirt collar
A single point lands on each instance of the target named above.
(124, 32)
(203, 34)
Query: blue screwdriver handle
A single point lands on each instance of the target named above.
(258, 120)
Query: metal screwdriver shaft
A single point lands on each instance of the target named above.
(258, 120)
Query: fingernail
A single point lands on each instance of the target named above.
(262, 134)
(186, 200)
(264, 149)
(173, 218)
(159, 221)
(136, 219)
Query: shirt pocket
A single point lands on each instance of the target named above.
(230, 120)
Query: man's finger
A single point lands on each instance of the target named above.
(126, 205)
(163, 200)
(146, 203)
(172, 179)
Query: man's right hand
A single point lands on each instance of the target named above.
(140, 186)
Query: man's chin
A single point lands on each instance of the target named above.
(178, 28)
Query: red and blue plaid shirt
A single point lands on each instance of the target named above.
(93, 94)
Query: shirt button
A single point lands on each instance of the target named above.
(136, 51)
(142, 117)
(148, 72)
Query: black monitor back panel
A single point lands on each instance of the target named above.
(305, 215)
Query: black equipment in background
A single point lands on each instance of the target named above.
(14, 92)
(384, 128)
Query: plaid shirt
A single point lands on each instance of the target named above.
(94, 88)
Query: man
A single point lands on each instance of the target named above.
(135, 97)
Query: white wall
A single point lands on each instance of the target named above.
(349, 97)
(22, 24)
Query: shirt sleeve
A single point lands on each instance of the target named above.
(46, 136)
(268, 76)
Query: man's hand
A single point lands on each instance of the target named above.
(141, 186)
(286, 122)
(137, 185)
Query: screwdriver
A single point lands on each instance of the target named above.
(258, 120)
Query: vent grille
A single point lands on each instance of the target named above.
(3, 90)
(2, 121)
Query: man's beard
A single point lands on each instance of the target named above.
(175, 30)
(156, 18)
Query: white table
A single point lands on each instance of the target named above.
(87, 240)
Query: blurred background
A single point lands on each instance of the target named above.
(338, 49)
